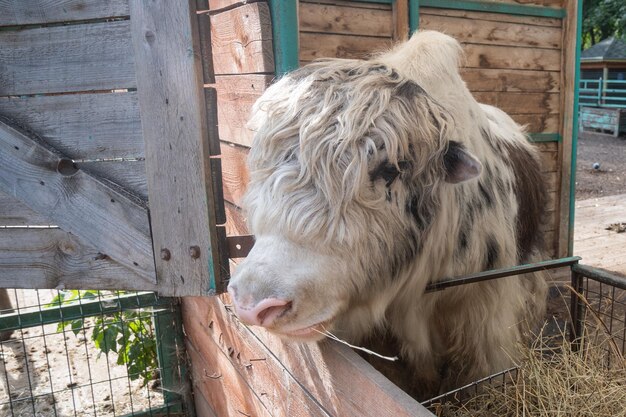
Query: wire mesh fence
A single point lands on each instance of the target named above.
(91, 353)
(588, 315)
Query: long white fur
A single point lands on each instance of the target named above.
(324, 232)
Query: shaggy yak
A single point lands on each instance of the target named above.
(370, 179)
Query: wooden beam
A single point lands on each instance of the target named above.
(400, 20)
(110, 220)
(95, 56)
(176, 135)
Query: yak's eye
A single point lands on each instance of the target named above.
(386, 171)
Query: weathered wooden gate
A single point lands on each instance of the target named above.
(108, 148)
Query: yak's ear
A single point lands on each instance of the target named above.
(460, 165)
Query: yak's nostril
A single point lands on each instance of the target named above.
(265, 312)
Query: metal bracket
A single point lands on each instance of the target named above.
(239, 246)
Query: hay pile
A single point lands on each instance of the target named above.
(553, 380)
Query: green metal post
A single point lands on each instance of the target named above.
(414, 15)
(169, 343)
(285, 33)
(572, 184)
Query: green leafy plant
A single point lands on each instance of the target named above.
(128, 333)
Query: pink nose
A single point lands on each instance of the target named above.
(264, 313)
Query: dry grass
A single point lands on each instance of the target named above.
(553, 380)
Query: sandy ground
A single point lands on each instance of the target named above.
(64, 372)
(610, 154)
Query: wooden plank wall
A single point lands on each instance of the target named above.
(68, 74)
(243, 61)
(514, 63)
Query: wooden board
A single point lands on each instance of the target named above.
(549, 156)
(15, 213)
(176, 135)
(495, 17)
(347, 20)
(129, 175)
(234, 172)
(20, 12)
(472, 29)
(241, 40)
(511, 80)
(220, 385)
(96, 56)
(102, 216)
(521, 103)
(539, 123)
(297, 378)
(318, 45)
(235, 221)
(53, 258)
(505, 57)
(235, 96)
(82, 126)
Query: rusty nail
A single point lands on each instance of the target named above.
(194, 252)
(165, 254)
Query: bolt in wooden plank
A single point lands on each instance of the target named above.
(173, 115)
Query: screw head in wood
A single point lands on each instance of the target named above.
(165, 254)
(194, 252)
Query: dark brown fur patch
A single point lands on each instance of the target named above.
(530, 193)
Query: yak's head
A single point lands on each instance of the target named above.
(344, 176)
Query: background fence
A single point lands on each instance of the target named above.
(602, 93)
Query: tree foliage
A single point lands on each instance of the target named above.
(603, 19)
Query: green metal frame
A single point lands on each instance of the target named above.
(82, 309)
(414, 15)
(572, 184)
(544, 137)
(284, 15)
